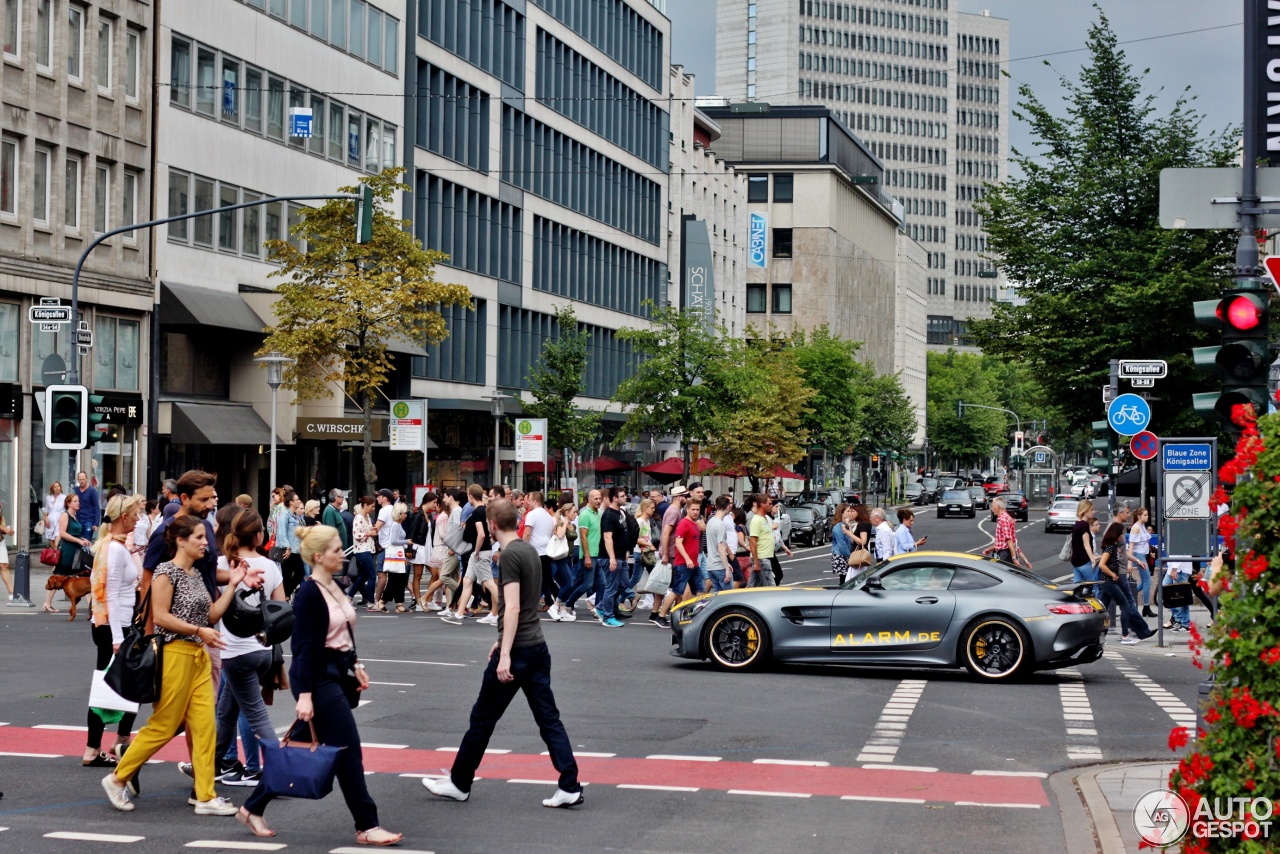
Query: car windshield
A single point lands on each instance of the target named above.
(955, 495)
(801, 514)
(975, 491)
(930, 482)
(913, 487)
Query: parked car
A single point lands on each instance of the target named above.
(806, 526)
(994, 486)
(1061, 514)
(914, 494)
(979, 496)
(956, 502)
(824, 511)
(930, 485)
(1016, 503)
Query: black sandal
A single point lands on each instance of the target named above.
(102, 760)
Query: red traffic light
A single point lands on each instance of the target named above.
(1242, 312)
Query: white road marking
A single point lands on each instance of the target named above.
(384, 746)
(920, 768)
(1010, 773)
(31, 755)
(93, 837)
(62, 726)
(892, 725)
(403, 661)
(577, 753)
(397, 684)
(1181, 714)
(1082, 736)
(239, 845)
(488, 750)
(770, 794)
(810, 763)
(678, 758)
(657, 788)
(351, 849)
(882, 800)
(1007, 806)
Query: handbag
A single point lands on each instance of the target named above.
(276, 677)
(102, 697)
(50, 556)
(457, 545)
(136, 670)
(649, 557)
(659, 580)
(82, 562)
(558, 548)
(859, 557)
(276, 553)
(299, 770)
(1064, 553)
(1177, 595)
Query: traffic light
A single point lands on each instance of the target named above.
(364, 214)
(66, 412)
(95, 422)
(1243, 359)
(960, 409)
(1103, 442)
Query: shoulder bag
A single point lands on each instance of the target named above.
(1064, 553)
(135, 671)
(50, 556)
(1176, 595)
(453, 539)
(558, 547)
(299, 769)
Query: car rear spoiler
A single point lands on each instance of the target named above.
(1076, 589)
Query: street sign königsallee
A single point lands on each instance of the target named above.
(1132, 369)
(49, 314)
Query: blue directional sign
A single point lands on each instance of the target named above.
(1193, 456)
(1128, 414)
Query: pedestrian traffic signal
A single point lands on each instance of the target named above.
(95, 422)
(1243, 358)
(364, 214)
(1103, 442)
(66, 412)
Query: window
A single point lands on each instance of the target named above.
(391, 46)
(356, 43)
(129, 196)
(275, 108)
(316, 144)
(298, 13)
(9, 177)
(295, 218)
(252, 96)
(203, 231)
(319, 18)
(250, 238)
(75, 40)
(353, 139)
(230, 90)
(277, 7)
(781, 245)
(9, 324)
(297, 99)
(272, 221)
(336, 125)
(101, 198)
(72, 193)
(971, 579)
(228, 220)
(180, 72)
(781, 299)
(372, 145)
(44, 34)
(132, 62)
(12, 26)
(757, 188)
(115, 349)
(374, 40)
(756, 299)
(206, 81)
(783, 187)
(189, 368)
(40, 186)
(388, 147)
(338, 23)
(179, 190)
(104, 53)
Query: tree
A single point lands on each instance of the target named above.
(340, 303)
(888, 422)
(1079, 232)
(838, 380)
(959, 376)
(765, 429)
(557, 379)
(685, 383)
(1239, 756)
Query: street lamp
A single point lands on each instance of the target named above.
(275, 362)
(498, 399)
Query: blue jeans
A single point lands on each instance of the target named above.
(1117, 593)
(1181, 614)
(241, 698)
(627, 583)
(606, 585)
(252, 752)
(531, 672)
(1144, 584)
(565, 573)
(1088, 572)
(368, 581)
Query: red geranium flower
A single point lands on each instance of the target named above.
(1177, 738)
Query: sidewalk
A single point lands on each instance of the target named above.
(1097, 804)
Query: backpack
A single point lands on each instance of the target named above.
(633, 531)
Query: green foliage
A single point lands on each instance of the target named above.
(1079, 233)
(888, 423)
(558, 378)
(1239, 757)
(340, 303)
(839, 384)
(957, 376)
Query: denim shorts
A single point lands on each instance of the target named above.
(685, 576)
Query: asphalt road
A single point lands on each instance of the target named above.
(678, 756)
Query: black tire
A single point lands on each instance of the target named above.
(1047, 529)
(995, 649)
(941, 515)
(973, 515)
(737, 639)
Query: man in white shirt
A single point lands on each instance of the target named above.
(539, 526)
(886, 543)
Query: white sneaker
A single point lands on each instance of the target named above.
(568, 616)
(646, 602)
(116, 794)
(1131, 640)
(434, 606)
(216, 806)
(591, 600)
(554, 612)
(563, 799)
(444, 788)
(491, 620)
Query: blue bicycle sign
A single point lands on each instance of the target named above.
(1129, 414)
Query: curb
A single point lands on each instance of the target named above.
(1088, 818)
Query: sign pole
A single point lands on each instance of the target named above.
(425, 415)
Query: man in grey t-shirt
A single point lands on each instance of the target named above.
(719, 560)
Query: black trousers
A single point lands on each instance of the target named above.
(549, 588)
(335, 726)
(102, 640)
(293, 571)
(394, 591)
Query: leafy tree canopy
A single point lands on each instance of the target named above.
(957, 376)
(558, 378)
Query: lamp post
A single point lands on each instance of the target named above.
(498, 399)
(275, 362)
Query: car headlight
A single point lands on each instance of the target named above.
(698, 606)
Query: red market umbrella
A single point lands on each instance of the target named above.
(703, 464)
(780, 472)
(604, 465)
(532, 468)
(474, 466)
(669, 470)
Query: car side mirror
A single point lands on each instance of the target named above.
(873, 583)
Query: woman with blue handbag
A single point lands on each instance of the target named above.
(327, 678)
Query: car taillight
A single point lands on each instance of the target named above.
(1070, 608)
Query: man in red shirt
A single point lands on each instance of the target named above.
(685, 566)
(1006, 546)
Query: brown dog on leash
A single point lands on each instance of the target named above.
(75, 586)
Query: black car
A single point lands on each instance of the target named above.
(914, 494)
(806, 526)
(956, 502)
(979, 496)
(930, 487)
(1017, 505)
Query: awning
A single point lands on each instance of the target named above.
(670, 466)
(604, 465)
(474, 466)
(703, 464)
(218, 424)
(785, 474)
(184, 305)
(532, 468)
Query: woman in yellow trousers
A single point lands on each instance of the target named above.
(185, 614)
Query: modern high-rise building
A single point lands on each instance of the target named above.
(916, 80)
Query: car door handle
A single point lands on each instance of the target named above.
(927, 600)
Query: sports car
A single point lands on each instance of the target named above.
(922, 609)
